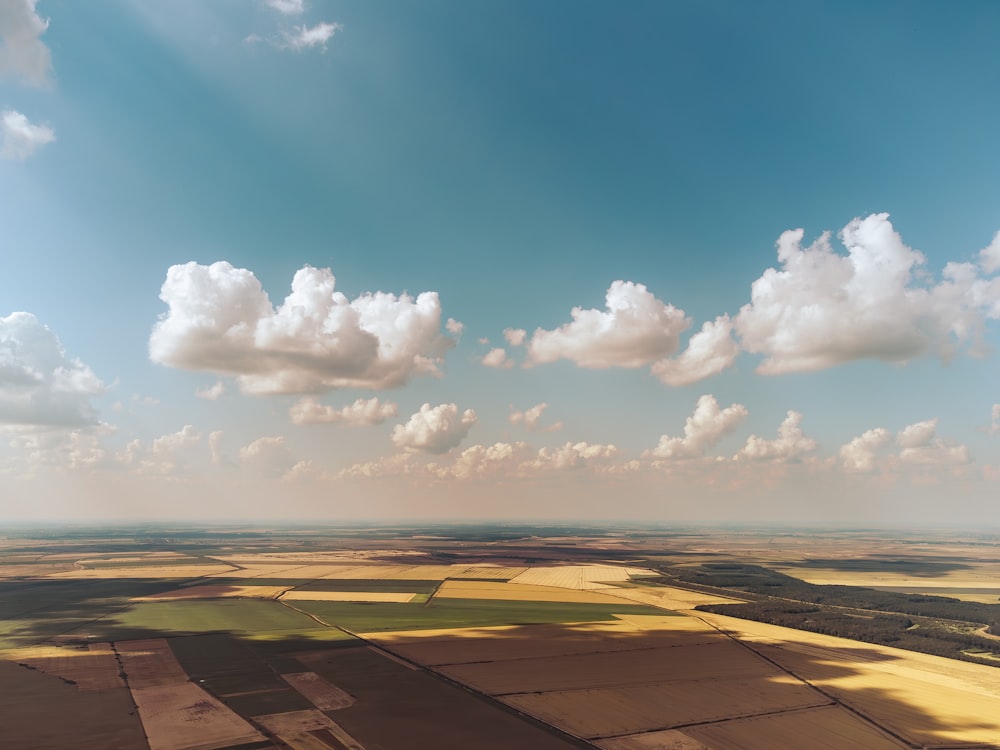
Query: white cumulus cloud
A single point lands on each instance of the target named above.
(362, 412)
(709, 352)
(166, 455)
(823, 308)
(634, 329)
(23, 54)
(454, 327)
(39, 384)
(790, 445)
(989, 256)
(515, 336)
(220, 320)
(496, 358)
(702, 430)
(920, 445)
(531, 418)
(435, 429)
(572, 456)
(859, 456)
(20, 138)
(267, 455)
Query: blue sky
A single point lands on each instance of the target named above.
(517, 160)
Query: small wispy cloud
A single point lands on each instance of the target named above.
(20, 138)
(307, 37)
(288, 7)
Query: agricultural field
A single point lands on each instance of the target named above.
(368, 639)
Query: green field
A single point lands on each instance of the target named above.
(459, 613)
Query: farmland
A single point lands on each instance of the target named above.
(197, 639)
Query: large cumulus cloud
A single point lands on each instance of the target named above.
(434, 429)
(823, 309)
(220, 320)
(39, 384)
(702, 430)
(634, 329)
(23, 55)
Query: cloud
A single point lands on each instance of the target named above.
(572, 456)
(921, 445)
(498, 461)
(362, 412)
(709, 352)
(288, 7)
(306, 37)
(530, 418)
(19, 138)
(859, 455)
(995, 414)
(220, 320)
(989, 256)
(702, 430)
(211, 392)
(267, 455)
(454, 327)
(496, 358)
(39, 384)
(23, 55)
(165, 455)
(824, 309)
(435, 429)
(790, 445)
(219, 457)
(515, 336)
(635, 329)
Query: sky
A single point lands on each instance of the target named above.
(650, 261)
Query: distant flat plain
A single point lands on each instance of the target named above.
(488, 636)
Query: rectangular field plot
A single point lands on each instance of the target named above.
(603, 712)
(143, 571)
(398, 708)
(579, 576)
(245, 616)
(149, 663)
(90, 668)
(458, 589)
(671, 739)
(40, 711)
(453, 613)
(348, 596)
(395, 585)
(216, 591)
(182, 716)
(463, 645)
(828, 728)
(318, 691)
(720, 660)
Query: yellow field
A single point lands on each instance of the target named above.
(927, 699)
(163, 571)
(347, 596)
(182, 716)
(318, 691)
(265, 570)
(92, 667)
(459, 589)
(579, 576)
(488, 571)
(667, 597)
(219, 591)
(982, 576)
